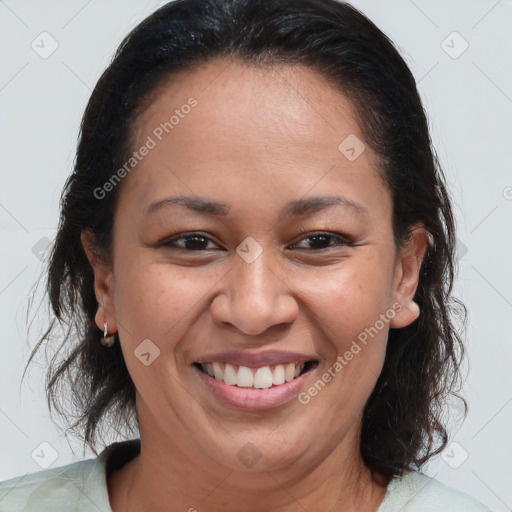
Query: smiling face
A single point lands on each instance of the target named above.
(241, 268)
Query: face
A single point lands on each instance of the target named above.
(282, 254)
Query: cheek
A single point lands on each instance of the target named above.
(348, 301)
(153, 301)
(350, 310)
(158, 301)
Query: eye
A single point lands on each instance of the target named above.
(198, 242)
(192, 242)
(320, 240)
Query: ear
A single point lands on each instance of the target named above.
(103, 282)
(407, 273)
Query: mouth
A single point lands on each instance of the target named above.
(254, 381)
(257, 378)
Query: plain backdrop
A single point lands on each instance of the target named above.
(459, 52)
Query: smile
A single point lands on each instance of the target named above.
(257, 387)
(262, 377)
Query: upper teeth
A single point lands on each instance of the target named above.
(262, 377)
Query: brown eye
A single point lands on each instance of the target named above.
(320, 240)
(192, 242)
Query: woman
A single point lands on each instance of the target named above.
(256, 255)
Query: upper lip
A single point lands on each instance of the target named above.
(255, 359)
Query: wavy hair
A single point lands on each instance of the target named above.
(403, 425)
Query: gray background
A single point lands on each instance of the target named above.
(468, 97)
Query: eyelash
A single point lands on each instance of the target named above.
(342, 241)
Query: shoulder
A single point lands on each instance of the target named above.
(420, 493)
(80, 486)
(55, 489)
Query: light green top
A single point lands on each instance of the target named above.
(82, 487)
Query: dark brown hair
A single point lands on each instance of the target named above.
(402, 424)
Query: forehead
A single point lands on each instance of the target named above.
(273, 129)
(294, 102)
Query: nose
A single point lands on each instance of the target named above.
(255, 297)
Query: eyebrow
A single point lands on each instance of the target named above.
(294, 208)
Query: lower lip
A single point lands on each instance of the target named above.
(254, 399)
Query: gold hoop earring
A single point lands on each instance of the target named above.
(107, 340)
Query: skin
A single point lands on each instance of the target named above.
(257, 139)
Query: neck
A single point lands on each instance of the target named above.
(171, 474)
(145, 483)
